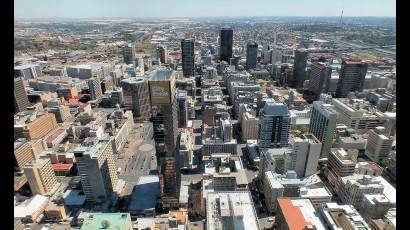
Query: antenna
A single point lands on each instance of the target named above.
(341, 19)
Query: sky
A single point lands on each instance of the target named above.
(199, 8)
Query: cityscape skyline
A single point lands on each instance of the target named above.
(182, 9)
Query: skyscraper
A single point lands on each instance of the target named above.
(251, 55)
(40, 176)
(96, 167)
(319, 78)
(128, 53)
(162, 54)
(164, 109)
(95, 89)
(378, 146)
(299, 68)
(226, 42)
(323, 125)
(187, 47)
(136, 96)
(20, 96)
(352, 75)
(274, 124)
(182, 101)
(305, 154)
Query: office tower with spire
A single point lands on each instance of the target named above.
(188, 57)
(275, 123)
(226, 42)
(352, 76)
(251, 55)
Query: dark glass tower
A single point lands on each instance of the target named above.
(187, 47)
(226, 41)
(251, 55)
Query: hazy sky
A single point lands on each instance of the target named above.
(200, 8)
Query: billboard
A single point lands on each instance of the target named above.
(160, 92)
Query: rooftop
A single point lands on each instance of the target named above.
(145, 194)
(115, 220)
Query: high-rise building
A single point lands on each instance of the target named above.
(305, 154)
(164, 109)
(274, 129)
(299, 69)
(319, 78)
(34, 126)
(226, 42)
(378, 146)
(323, 125)
(40, 176)
(94, 86)
(251, 55)
(96, 167)
(352, 76)
(188, 57)
(30, 71)
(162, 54)
(20, 96)
(128, 53)
(169, 174)
(136, 96)
(182, 100)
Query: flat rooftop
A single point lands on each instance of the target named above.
(116, 220)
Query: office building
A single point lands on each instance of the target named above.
(249, 127)
(94, 86)
(169, 180)
(164, 109)
(20, 96)
(251, 55)
(188, 57)
(29, 71)
(182, 100)
(337, 217)
(323, 124)
(40, 176)
(274, 128)
(341, 163)
(378, 146)
(230, 210)
(128, 52)
(226, 42)
(299, 69)
(98, 171)
(31, 209)
(89, 70)
(120, 221)
(360, 116)
(136, 96)
(23, 154)
(375, 206)
(162, 54)
(61, 112)
(305, 154)
(33, 124)
(319, 78)
(352, 77)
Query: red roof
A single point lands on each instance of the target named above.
(60, 167)
(292, 214)
(54, 136)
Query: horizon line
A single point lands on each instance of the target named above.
(194, 17)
